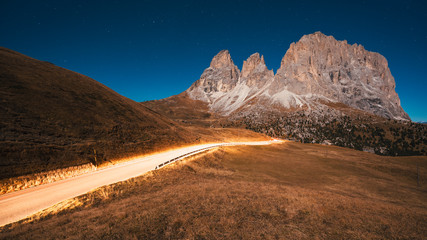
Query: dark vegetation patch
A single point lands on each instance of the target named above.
(362, 132)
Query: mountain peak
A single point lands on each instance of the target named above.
(317, 67)
(221, 76)
(321, 65)
(222, 59)
(317, 33)
(252, 63)
(315, 36)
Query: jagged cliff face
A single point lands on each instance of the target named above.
(221, 77)
(255, 72)
(315, 70)
(322, 66)
(226, 89)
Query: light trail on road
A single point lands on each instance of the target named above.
(18, 205)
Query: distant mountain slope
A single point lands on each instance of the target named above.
(184, 109)
(336, 124)
(51, 117)
(326, 91)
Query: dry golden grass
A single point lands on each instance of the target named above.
(52, 118)
(285, 191)
(27, 181)
(206, 135)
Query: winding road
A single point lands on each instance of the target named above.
(18, 205)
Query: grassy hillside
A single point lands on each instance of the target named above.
(51, 118)
(286, 191)
(183, 109)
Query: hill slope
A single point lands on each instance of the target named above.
(51, 117)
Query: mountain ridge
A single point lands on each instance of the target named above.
(348, 101)
(316, 68)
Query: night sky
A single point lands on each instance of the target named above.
(148, 50)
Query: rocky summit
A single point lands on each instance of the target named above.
(315, 72)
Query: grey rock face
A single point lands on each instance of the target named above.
(317, 67)
(321, 65)
(226, 89)
(255, 72)
(221, 76)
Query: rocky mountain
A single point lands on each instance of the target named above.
(315, 72)
(325, 91)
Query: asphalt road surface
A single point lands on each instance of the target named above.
(18, 205)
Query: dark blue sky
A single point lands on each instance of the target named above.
(154, 49)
